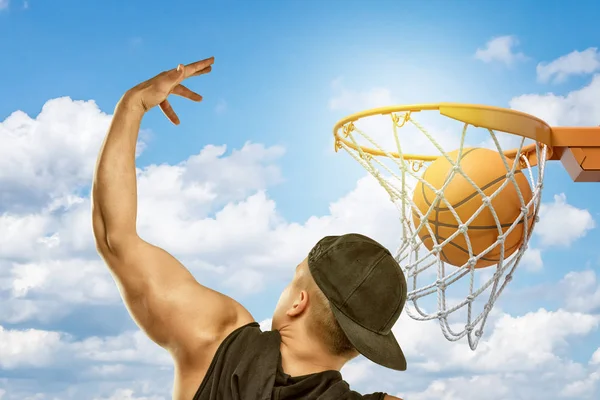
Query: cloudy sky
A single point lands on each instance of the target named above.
(249, 181)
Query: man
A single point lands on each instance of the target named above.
(343, 300)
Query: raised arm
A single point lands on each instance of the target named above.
(162, 296)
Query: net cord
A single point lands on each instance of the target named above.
(412, 255)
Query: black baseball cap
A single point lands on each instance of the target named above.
(366, 289)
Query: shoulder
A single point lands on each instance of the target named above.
(247, 355)
(210, 363)
(246, 345)
(242, 336)
(388, 397)
(233, 341)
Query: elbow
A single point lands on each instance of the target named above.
(109, 241)
(114, 247)
(116, 244)
(100, 240)
(99, 231)
(102, 246)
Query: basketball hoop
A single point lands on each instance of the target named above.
(512, 201)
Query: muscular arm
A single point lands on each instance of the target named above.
(161, 294)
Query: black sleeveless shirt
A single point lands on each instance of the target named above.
(247, 366)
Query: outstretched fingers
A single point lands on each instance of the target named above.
(174, 78)
(183, 91)
(169, 112)
(197, 67)
(182, 72)
(202, 71)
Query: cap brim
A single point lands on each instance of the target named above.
(381, 349)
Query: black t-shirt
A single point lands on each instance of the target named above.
(247, 366)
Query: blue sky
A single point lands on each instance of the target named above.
(284, 73)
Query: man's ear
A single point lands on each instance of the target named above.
(299, 305)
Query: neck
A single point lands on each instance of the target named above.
(304, 355)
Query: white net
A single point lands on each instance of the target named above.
(459, 296)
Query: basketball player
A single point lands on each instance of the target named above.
(343, 299)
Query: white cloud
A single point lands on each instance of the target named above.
(532, 260)
(71, 132)
(357, 371)
(30, 347)
(245, 281)
(561, 224)
(581, 291)
(531, 341)
(22, 235)
(265, 325)
(153, 386)
(132, 346)
(578, 108)
(575, 63)
(49, 156)
(520, 357)
(16, 311)
(581, 388)
(500, 49)
(39, 348)
(204, 183)
(525, 343)
(70, 281)
(128, 394)
(595, 360)
(107, 370)
(464, 388)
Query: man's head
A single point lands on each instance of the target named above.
(347, 294)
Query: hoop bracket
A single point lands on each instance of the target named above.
(582, 163)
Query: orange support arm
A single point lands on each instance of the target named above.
(578, 149)
(582, 163)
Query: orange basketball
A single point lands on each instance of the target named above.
(487, 170)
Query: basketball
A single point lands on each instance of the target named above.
(487, 170)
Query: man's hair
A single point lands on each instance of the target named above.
(322, 322)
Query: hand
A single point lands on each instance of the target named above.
(156, 90)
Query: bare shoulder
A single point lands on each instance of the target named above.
(169, 304)
(183, 316)
(388, 397)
